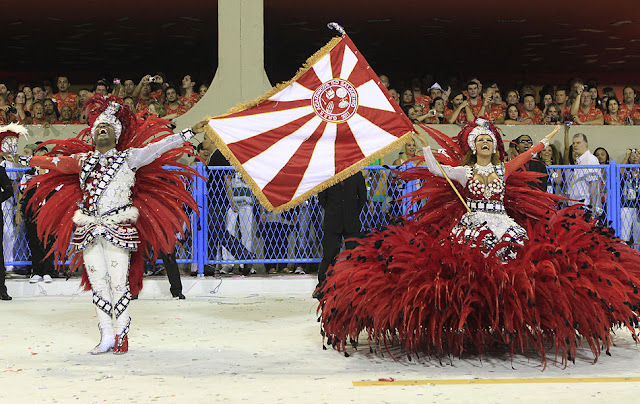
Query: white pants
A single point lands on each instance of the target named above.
(108, 269)
(245, 215)
(629, 224)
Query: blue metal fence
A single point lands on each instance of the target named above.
(233, 228)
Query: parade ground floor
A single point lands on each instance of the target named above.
(257, 340)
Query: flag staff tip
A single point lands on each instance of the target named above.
(336, 26)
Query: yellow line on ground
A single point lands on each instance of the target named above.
(539, 380)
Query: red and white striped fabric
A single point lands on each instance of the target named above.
(329, 121)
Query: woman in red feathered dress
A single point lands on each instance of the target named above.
(510, 270)
(113, 194)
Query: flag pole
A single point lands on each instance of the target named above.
(449, 180)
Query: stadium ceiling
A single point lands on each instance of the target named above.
(408, 36)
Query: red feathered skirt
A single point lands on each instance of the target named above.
(571, 281)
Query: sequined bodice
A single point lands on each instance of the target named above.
(483, 197)
(494, 190)
(107, 182)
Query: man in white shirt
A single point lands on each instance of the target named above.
(584, 183)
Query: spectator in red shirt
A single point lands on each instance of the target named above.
(513, 98)
(50, 110)
(418, 96)
(5, 91)
(38, 94)
(145, 98)
(130, 102)
(383, 79)
(173, 106)
(102, 88)
(129, 87)
(513, 116)
(394, 94)
(531, 112)
(629, 100)
(584, 112)
(19, 103)
(615, 115)
(47, 87)
(83, 95)
(407, 98)
(66, 116)
(28, 93)
(459, 112)
(577, 85)
(562, 98)
(473, 92)
(546, 99)
(203, 89)
(157, 109)
(37, 117)
(607, 93)
(189, 97)
(595, 96)
(553, 115)
(64, 96)
(436, 114)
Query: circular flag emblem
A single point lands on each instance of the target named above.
(335, 101)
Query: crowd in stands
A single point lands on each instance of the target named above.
(582, 104)
(52, 103)
(427, 102)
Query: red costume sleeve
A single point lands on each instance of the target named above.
(64, 164)
(522, 158)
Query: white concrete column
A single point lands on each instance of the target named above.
(240, 76)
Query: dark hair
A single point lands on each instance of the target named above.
(634, 90)
(100, 83)
(170, 87)
(555, 155)
(609, 92)
(571, 159)
(471, 82)
(406, 109)
(609, 101)
(605, 152)
(433, 102)
(512, 90)
(413, 100)
(199, 147)
(506, 110)
(564, 88)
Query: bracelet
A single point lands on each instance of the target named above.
(187, 134)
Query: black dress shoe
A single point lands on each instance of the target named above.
(178, 296)
(5, 296)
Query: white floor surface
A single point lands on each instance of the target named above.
(256, 340)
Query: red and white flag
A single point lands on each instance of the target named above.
(333, 118)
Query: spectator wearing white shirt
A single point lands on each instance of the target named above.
(585, 183)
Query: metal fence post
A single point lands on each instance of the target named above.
(200, 190)
(613, 196)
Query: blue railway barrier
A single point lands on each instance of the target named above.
(233, 228)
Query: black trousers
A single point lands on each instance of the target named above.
(173, 273)
(3, 270)
(39, 264)
(331, 243)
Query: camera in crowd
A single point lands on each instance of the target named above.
(553, 119)
(12, 109)
(152, 79)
